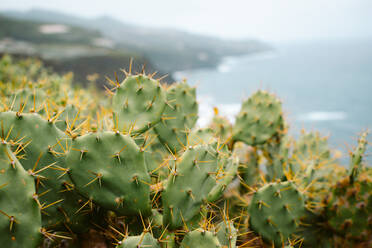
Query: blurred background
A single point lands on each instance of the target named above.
(315, 55)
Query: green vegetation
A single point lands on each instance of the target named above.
(83, 168)
(30, 31)
(79, 50)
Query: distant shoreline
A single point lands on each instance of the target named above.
(225, 63)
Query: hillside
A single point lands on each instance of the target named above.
(169, 50)
(68, 48)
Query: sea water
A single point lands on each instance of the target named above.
(324, 86)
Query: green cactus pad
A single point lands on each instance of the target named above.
(200, 174)
(311, 146)
(109, 169)
(179, 117)
(356, 160)
(275, 211)
(168, 240)
(259, 119)
(249, 163)
(227, 234)
(200, 238)
(20, 220)
(309, 150)
(313, 166)
(28, 100)
(228, 168)
(143, 240)
(138, 104)
(276, 152)
(202, 136)
(43, 157)
(349, 208)
(221, 127)
(69, 118)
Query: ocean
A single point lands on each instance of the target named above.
(324, 86)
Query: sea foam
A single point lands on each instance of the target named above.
(323, 116)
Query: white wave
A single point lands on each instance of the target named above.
(229, 110)
(223, 68)
(323, 116)
(205, 110)
(227, 64)
(206, 113)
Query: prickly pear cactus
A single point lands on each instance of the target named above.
(309, 148)
(221, 126)
(314, 167)
(41, 149)
(259, 119)
(168, 240)
(20, 220)
(109, 169)
(357, 158)
(276, 151)
(28, 100)
(179, 117)
(43, 142)
(249, 164)
(200, 136)
(200, 238)
(349, 207)
(143, 240)
(138, 104)
(225, 174)
(172, 182)
(227, 234)
(69, 118)
(275, 211)
(200, 174)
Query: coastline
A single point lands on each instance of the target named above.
(225, 63)
(324, 86)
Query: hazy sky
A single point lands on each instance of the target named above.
(271, 20)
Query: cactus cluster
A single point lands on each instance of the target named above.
(349, 207)
(130, 168)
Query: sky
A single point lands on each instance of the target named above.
(270, 20)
